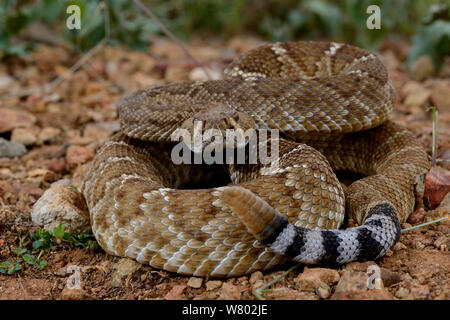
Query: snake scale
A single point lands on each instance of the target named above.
(330, 103)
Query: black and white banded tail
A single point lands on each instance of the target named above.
(379, 232)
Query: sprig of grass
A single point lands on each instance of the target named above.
(258, 292)
(434, 113)
(424, 224)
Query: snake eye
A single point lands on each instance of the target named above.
(236, 116)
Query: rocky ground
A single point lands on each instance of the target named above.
(53, 118)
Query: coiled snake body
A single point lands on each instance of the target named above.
(333, 97)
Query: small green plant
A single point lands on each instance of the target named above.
(44, 240)
(23, 255)
(9, 268)
(433, 37)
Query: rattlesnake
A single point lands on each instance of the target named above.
(333, 97)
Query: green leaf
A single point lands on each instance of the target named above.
(20, 251)
(42, 264)
(14, 269)
(432, 40)
(58, 232)
(38, 244)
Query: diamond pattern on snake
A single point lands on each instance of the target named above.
(330, 103)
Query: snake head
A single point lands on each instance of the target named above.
(218, 127)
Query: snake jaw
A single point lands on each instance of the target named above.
(217, 128)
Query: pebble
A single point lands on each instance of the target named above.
(57, 165)
(230, 292)
(10, 149)
(353, 285)
(5, 81)
(417, 98)
(419, 245)
(420, 292)
(62, 272)
(422, 68)
(399, 246)
(175, 293)
(10, 119)
(323, 291)
(437, 185)
(403, 293)
(440, 96)
(61, 204)
(73, 294)
(213, 284)
(256, 276)
(198, 74)
(175, 73)
(289, 294)
(389, 277)
(442, 243)
(195, 282)
(25, 136)
(122, 269)
(78, 155)
(48, 134)
(311, 278)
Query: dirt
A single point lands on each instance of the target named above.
(62, 128)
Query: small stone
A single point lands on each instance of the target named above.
(73, 294)
(289, 294)
(122, 269)
(195, 282)
(198, 74)
(78, 155)
(48, 134)
(10, 149)
(176, 73)
(399, 246)
(213, 284)
(406, 225)
(354, 285)
(57, 165)
(311, 278)
(41, 175)
(437, 186)
(417, 216)
(440, 96)
(5, 81)
(10, 119)
(422, 68)
(62, 272)
(442, 243)
(62, 204)
(230, 292)
(420, 292)
(419, 245)
(323, 291)
(417, 98)
(25, 136)
(389, 277)
(175, 293)
(256, 276)
(403, 293)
